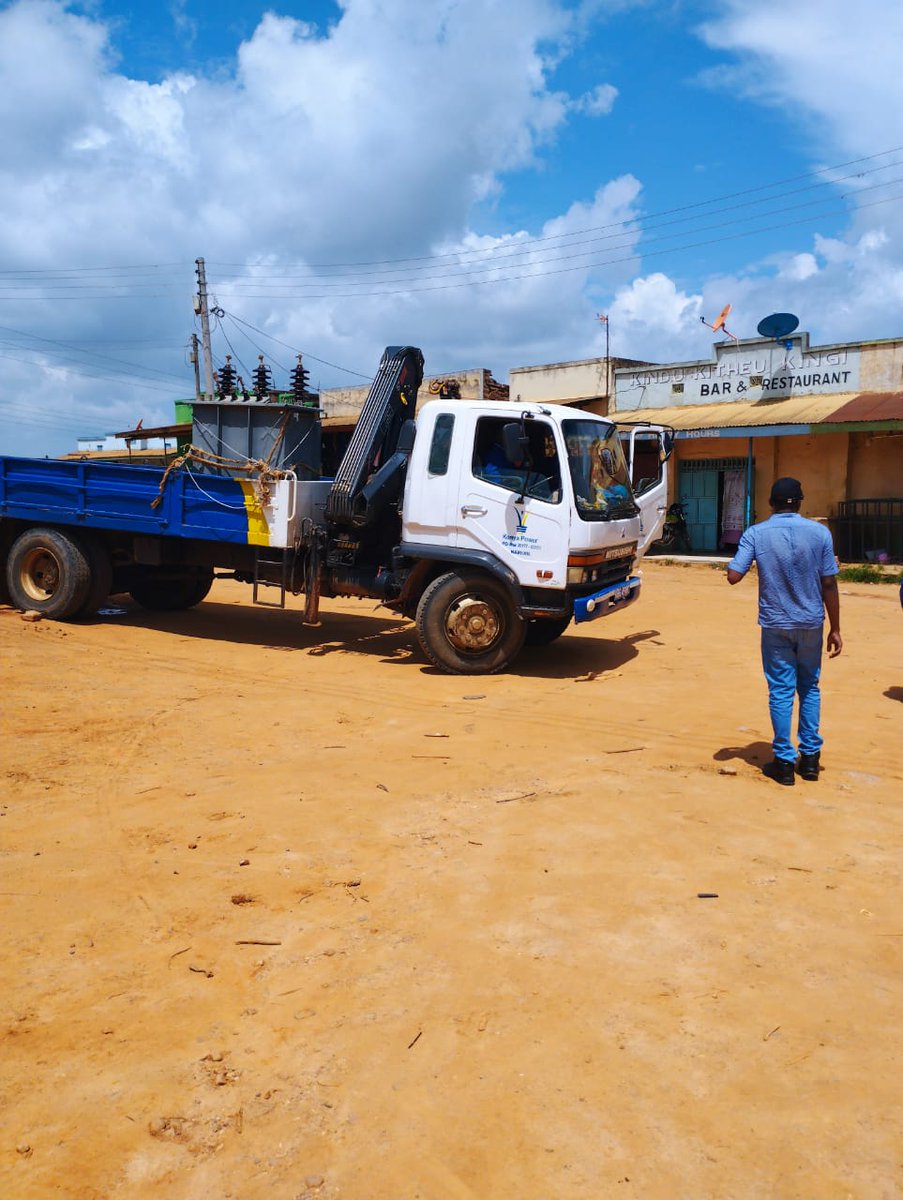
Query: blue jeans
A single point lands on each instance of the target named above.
(792, 662)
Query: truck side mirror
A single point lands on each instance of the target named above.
(667, 446)
(406, 434)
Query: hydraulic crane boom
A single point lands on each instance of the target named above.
(390, 402)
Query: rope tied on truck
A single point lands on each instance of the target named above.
(265, 474)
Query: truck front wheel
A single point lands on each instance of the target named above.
(545, 630)
(48, 571)
(468, 625)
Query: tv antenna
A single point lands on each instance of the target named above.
(718, 323)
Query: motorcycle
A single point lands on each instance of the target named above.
(675, 537)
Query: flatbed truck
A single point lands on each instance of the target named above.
(490, 524)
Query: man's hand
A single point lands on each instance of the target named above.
(832, 608)
(734, 576)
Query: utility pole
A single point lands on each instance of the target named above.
(603, 320)
(195, 359)
(200, 307)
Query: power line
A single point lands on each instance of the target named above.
(115, 377)
(322, 361)
(616, 224)
(464, 270)
(68, 277)
(89, 353)
(91, 270)
(260, 350)
(591, 265)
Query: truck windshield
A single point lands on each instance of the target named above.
(598, 471)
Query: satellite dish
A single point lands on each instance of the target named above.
(718, 323)
(777, 326)
(721, 318)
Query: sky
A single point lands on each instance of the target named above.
(479, 178)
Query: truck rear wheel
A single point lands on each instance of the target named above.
(47, 571)
(467, 624)
(101, 572)
(172, 592)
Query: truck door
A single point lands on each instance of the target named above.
(516, 510)
(647, 450)
(431, 504)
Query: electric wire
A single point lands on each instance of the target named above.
(225, 336)
(593, 265)
(482, 258)
(253, 290)
(455, 254)
(74, 349)
(260, 350)
(466, 270)
(322, 361)
(635, 225)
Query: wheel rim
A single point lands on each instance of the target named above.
(473, 624)
(39, 574)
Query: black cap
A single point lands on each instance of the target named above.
(785, 492)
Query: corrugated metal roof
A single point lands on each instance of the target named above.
(794, 410)
(872, 406)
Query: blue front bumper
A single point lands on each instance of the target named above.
(609, 600)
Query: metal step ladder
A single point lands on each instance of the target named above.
(267, 556)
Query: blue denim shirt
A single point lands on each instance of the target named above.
(792, 554)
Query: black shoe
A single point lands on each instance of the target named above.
(808, 766)
(780, 771)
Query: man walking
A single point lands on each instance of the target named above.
(797, 585)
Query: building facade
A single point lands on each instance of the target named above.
(832, 416)
(588, 382)
(754, 410)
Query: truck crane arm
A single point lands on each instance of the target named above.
(374, 444)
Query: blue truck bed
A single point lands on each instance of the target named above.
(116, 496)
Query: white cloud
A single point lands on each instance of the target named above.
(799, 267)
(151, 117)
(599, 102)
(185, 26)
(834, 77)
(51, 62)
(833, 68)
(371, 141)
(654, 302)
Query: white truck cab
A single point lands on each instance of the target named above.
(571, 497)
(542, 498)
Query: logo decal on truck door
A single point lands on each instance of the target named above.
(516, 541)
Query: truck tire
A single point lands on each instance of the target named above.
(47, 571)
(171, 592)
(545, 630)
(5, 597)
(467, 624)
(101, 571)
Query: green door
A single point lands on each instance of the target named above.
(698, 491)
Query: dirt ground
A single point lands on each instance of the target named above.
(287, 913)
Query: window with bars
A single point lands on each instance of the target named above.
(714, 464)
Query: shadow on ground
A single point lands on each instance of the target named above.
(390, 638)
(755, 754)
